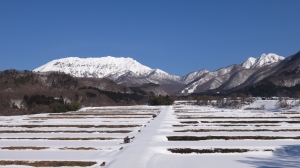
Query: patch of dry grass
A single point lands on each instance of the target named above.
(251, 121)
(76, 126)
(213, 150)
(238, 130)
(183, 125)
(67, 138)
(85, 117)
(189, 122)
(266, 125)
(243, 125)
(291, 112)
(24, 148)
(47, 163)
(78, 148)
(220, 117)
(99, 114)
(62, 131)
(201, 138)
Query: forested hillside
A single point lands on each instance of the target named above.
(26, 92)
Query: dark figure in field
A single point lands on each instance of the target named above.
(126, 139)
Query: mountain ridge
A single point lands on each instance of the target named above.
(128, 71)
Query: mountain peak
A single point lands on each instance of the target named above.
(121, 70)
(94, 67)
(249, 63)
(263, 60)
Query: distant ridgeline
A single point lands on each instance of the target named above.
(26, 92)
(280, 80)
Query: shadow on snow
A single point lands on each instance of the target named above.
(287, 156)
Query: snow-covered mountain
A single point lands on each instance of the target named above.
(231, 76)
(263, 60)
(130, 72)
(122, 70)
(95, 67)
(249, 63)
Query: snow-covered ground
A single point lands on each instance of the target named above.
(149, 147)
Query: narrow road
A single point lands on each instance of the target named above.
(137, 153)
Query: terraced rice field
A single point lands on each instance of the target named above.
(180, 136)
(85, 138)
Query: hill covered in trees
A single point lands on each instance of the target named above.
(26, 92)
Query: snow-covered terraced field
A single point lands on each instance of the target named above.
(180, 136)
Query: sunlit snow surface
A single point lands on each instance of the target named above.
(149, 147)
(263, 60)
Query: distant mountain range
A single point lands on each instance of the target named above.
(65, 83)
(129, 72)
(280, 79)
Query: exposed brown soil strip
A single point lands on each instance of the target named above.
(47, 163)
(188, 117)
(201, 138)
(77, 126)
(43, 148)
(78, 148)
(238, 130)
(64, 131)
(85, 117)
(243, 125)
(290, 113)
(251, 121)
(24, 148)
(189, 122)
(99, 114)
(183, 125)
(195, 112)
(266, 125)
(229, 125)
(66, 138)
(215, 150)
(121, 110)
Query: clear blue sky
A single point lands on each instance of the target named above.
(177, 36)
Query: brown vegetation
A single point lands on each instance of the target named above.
(243, 125)
(47, 163)
(291, 112)
(189, 122)
(58, 92)
(78, 148)
(251, 121)
(72, 117)
(99, 114)
(77, 126)
(68, 139)
(191, 117)
(238, 130)
(197, 138)
(183, 125)
(24, 148)
(213, 150)
(63, 131)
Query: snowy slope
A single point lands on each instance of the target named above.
(263, 60)
(249, 63)
(95, 67)
(192, 76)
(211, 80)
(117, 69)
(228, 77)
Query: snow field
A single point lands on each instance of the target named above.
(149, 147)
(92, 120)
